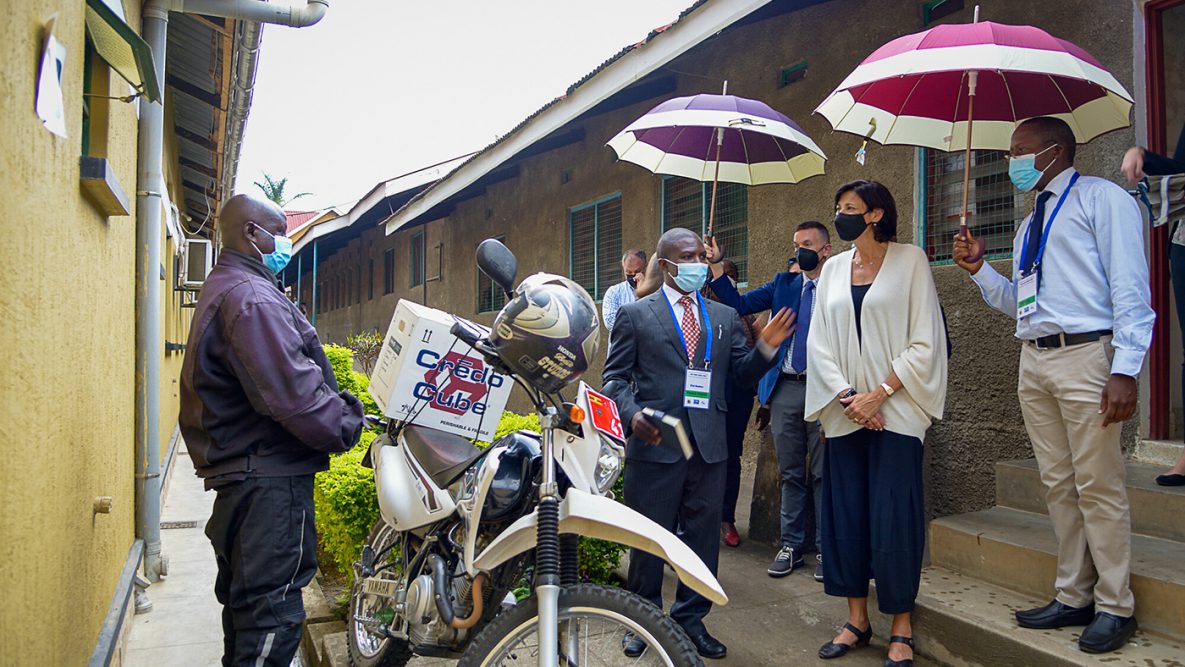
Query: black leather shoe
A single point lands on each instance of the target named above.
(1170, 480)
(898, 639)
(1107, 632)
(1054, 615)
(632, 645)
(833, 650)
(708, 646)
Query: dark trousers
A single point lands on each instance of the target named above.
(687, 493)
(873, 517)
(265, 542)
(1177, 271)
(736, 422)
(796, 441)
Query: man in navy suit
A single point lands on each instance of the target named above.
(782, 392)
(673, 351)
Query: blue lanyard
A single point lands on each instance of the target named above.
(1049, 223)
(707, 330)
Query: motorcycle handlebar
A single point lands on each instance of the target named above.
(466, 334)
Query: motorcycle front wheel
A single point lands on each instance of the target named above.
(593, 621)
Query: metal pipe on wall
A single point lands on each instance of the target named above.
(150, 187)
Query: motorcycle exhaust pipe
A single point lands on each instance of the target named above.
(444, 605)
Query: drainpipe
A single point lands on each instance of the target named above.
(149, 189)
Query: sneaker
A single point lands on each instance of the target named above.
(819, 568)
(784, 563)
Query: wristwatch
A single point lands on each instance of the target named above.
(887, 388)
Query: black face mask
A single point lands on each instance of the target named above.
(808, 260)
(633, 281)
(850, 226)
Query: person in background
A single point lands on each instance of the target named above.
(792, 265)
(876, 380)
(782, 392)
(633, 263)
(1137, 163)
(260, 414)
(666, 351)
(740, 406)
(1079, 293)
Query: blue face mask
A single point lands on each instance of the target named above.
(691, 276)
(1024, 172)
(277, 259)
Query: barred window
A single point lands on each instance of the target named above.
(490, 297)
(369, 279)
(686, 203)
(417, 259)
(993, 205)
(389, 271)
(594, 245)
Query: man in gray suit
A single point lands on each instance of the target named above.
(673, 351)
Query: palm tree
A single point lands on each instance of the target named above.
(273, 189)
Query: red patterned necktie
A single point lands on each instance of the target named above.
(690, 328)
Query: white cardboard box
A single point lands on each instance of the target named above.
(427, 375)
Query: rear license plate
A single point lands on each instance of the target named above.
(376, 586)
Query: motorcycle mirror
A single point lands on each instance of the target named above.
(496, 261)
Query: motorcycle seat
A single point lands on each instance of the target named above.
(443, 456)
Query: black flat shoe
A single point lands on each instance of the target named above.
(898, 639)
(1107, 632)
(708, 646)
(632, 645)
(1170, 480)
(1054, 615)
(832, 650)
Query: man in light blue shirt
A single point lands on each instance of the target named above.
(1079, 291)
(633, 265)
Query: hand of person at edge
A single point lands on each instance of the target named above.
(1133, 164)
(715, 256)
(779, 328)
(964, 247)
(864, 409)
(762, 419)
(645, 430)
(1119, 399)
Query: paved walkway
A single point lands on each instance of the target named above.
(772, 622)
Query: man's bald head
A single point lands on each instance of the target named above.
(1051, 130)
(241, 219)
(675, 242)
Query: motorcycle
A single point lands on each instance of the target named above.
(461, 528)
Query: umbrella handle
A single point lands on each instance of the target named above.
(972, 80)
(975, 255)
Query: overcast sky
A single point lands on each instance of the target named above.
(382, 87)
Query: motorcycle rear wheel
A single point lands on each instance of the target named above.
(593, 620)
(366, 648)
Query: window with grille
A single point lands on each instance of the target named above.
(594, 245)
(369, 279)
(389, 271)
(993, 204)
(417, 259)
(687, 203)
(490, 297)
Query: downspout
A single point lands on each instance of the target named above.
(149, 189)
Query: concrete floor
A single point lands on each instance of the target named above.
(768, 621)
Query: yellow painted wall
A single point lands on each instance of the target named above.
(67, 344)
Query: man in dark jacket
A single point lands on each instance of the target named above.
(260, 413)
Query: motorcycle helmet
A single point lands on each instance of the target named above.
(548, 332)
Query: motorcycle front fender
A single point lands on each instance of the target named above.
(588, 515)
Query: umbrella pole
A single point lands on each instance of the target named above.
(963, 231)
(715, 180)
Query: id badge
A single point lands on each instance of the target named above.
(697, 389)
(1026, 296)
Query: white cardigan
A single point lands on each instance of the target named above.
(902, 331)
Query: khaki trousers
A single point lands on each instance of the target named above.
(1082, 468)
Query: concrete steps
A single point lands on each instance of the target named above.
(1017, 550)
(1162, 453)
(964, 621)
(1158, 511)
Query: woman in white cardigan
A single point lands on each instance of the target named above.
(878, 378)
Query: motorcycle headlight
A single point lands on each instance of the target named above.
(608, 465)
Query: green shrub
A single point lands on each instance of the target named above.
(366, 347)
(346, 505)
(348, 379)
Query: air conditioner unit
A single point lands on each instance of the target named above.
(197, 261)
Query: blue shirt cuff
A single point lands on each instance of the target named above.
(1127, 362)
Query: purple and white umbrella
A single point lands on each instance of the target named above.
(720, 138)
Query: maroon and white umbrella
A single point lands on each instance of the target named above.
(964, 86)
